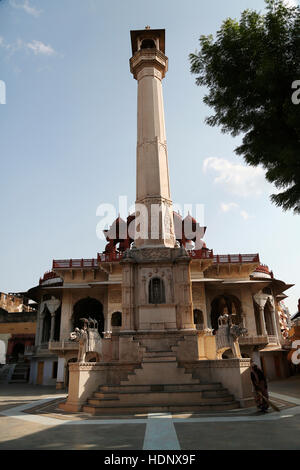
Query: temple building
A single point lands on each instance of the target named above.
(17, 327)
(157, 294)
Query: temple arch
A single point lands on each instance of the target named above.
(148, 44)
(88, 307)
(226, 303)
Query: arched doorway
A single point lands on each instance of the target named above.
(18, 352)
(148, 44)
(88, 308)
(226, 303)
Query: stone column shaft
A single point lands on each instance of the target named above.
(152, 180)
(262, 321)
(52, 326)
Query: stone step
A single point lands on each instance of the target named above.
(159, 359)
(167, 371)
(97, 401)
(159, 354)
(166, 397)
(105, 396)
(158, 387)
(216, 393)
(18, 381)
(119, 409)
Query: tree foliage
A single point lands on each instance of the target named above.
(249, 69)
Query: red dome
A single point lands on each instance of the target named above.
(263, 270)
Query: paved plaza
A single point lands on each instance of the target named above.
(30, 419)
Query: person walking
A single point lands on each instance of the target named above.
(260, 385)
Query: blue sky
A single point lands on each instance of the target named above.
(68, 135)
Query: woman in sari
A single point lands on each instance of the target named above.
(260, 388)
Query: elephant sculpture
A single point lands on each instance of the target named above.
(227, 336)
(89, 340)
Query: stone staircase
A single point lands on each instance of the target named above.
(20, 373)
(159, 385)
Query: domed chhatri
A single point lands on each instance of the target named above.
(262, 272)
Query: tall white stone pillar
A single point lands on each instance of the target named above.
(149, 66)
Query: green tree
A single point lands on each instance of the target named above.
(249, 70)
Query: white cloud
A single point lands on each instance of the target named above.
(26, 7)
(245, 215)
(227, 207)
(235, 178)
(291, 3)
(39, 48)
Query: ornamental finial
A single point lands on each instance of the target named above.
(147, 27)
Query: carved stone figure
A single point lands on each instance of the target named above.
(89, 340)
(227, 336)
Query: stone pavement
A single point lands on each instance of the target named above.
(31, 419)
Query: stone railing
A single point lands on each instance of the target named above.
(74, 263)
(253, 339)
